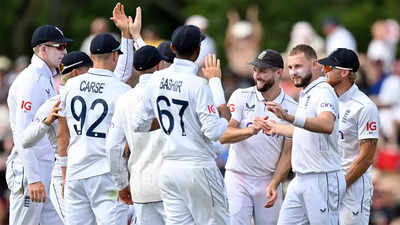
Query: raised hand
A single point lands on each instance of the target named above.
(136, 25)
(121, 20)
(277, 110)
(212, 67)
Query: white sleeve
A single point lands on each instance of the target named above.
(115, 145)
(33, 133)
(123, 70)
(327, 102)
(235, 105)
(212, 126)
(368, 122)
(32, 94)
(143, 114)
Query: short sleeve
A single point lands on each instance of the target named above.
(368, 122)
(235, 105)
(327, 102)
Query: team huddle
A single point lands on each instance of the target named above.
(100, 151)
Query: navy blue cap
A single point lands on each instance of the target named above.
(166, 52)
(74, 60)
(267, 59)
(146, 57)
(48, 33)
(187, 38)
(342, 58)
(104, 43)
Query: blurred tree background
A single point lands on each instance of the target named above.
(20, 17)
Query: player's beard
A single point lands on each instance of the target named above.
(267, 85)
(304, 80)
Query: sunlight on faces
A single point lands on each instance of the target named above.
(300, 69)
(52, 55)
(264, 78)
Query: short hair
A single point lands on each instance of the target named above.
(65, 77)
(308, 51)
(104, 56)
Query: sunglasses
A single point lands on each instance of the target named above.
(328, 69)
(60, 47)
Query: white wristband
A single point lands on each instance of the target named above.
(299, 120)
(217, 91)
(138, 43)
(62, 161)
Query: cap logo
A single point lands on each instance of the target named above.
(59, 31)
(262, 54)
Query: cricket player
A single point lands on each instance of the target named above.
(358, 135)
(45, 123)
(192, 188)
(257, 162)
(87, 104)
(314, 196)
(145, 159)
(29, 169)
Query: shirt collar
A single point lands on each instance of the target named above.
(313, 84)
(38, 62)
(144, 78)
(277, 100)
(184, 65)
(101, 72)
(349, 93)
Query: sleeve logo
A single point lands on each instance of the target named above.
(371, 126)
(26, 105)
(231, 107)
(211, 109)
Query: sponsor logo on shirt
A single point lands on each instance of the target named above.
(231, 107)
(47, 90)
(326, 105)
(250, 107)
(211, 109)
(26, 105)
(371, 126)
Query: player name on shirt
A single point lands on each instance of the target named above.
(170, 84)
(91, 86)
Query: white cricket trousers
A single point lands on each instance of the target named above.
(93, 201)
(246, 196)
(357, 202)
(193, 193)
(22, 210)
(149, 213)
(56, 196)
(313, 198)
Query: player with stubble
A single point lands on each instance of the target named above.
(257, 162)
(314, 196)
(358, 135)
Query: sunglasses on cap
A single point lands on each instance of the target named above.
(58, 46)
(328, 69)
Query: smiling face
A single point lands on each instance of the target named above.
(264, 78)
(300, 69)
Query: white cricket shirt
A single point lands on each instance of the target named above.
(87, 102)
(32, 87)
(358, 119)
(316, 152)
(145, 159)
(184, 107)
(259, 154)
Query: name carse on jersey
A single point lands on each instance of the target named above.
(91, 86)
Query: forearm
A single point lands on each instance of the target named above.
(123, 70)
(364, 160)
(233, 134)
(285, 129)
(319, 125)
(224, 112)
(31, 165)
(284, 164)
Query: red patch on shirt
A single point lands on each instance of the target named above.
(211, 109)
(27, 105)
